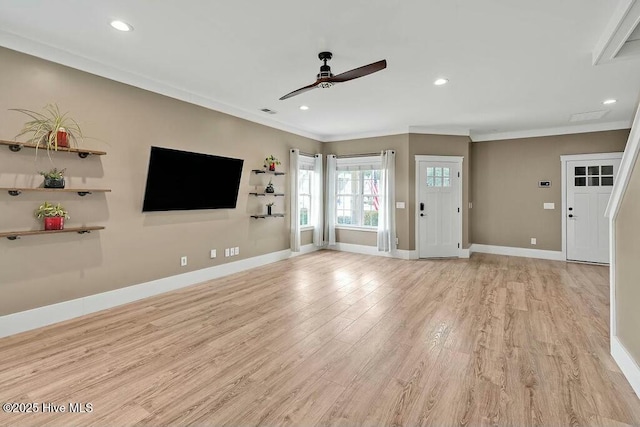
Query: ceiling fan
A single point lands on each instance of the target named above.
(326, 79)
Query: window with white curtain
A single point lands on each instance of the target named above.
(305, 190)
(357, 192)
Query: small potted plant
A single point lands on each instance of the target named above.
(53, 215)
(269, 188)
(51, 129)
(271, 163)
(54, 178)
(269, 207)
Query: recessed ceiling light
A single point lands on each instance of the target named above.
(609, 101)
(121, 26)
(304, 107)
(441, 82)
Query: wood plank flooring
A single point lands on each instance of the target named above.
(334, 338)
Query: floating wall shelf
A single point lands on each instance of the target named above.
(82, 152)
(16, 191)
(268, 194)
(259, 171)
(277, 215)
(13, 235)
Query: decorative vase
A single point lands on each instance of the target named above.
(63, 138)
(269, 210)
(53, 183)
(272, 167)
(269, 189)
(54, 223)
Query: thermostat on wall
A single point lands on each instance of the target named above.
(544, 184)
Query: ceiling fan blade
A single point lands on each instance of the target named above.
(359, 72)
(299, 91)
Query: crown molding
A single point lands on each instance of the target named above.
(362, 135)
(438, 130)
(560, 130)
(92, 66)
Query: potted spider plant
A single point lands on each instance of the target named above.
(50, 129)
(271, 163)
(54, 178)
(53, 216)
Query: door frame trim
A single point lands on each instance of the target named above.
(563, 178)
(462, 253)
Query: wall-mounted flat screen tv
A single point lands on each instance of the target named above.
(180, 180)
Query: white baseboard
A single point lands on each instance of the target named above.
(464, 253)
(628, 366)
(370, 250)
(42, 316)
(520, 252)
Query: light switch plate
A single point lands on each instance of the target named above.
(213, 253)
(236, 251)
(549, 205)
(534, 241)
(399, 205)
(226, 252)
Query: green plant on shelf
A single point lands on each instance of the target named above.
(48, 210)
(50, 129)
(271, 162)
(53, 174)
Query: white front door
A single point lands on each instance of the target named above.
(438, 208)
(589, 185)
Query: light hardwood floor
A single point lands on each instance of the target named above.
(334, 338)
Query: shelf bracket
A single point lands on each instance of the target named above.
(15, 192)
(13, 237)
(83, 155)
(84, 231)
(83, 193)
(15, 148)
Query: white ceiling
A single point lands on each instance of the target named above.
(513, 65)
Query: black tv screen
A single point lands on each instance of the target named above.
(180, 180)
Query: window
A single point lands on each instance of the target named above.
(357, 192)
(593, 176)
(438, 177)
(305, 184)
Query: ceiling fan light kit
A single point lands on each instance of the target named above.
(326, 79)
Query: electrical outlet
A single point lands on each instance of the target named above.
(470, 205)
(237, 250)
(226, 252)
(213, 253)
(183, 261)
(534, 241)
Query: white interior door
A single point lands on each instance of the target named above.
(589, 185)
(438, 209)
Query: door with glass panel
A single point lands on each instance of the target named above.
(438, 209)
(589, 185)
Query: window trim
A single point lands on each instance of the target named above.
(342, 164)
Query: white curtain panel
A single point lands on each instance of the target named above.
(330, 220)
(316, 202)
(387, 212)
(294, 165)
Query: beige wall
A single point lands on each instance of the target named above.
(399, 143)
(440, 145)
(507, 203)
(627, 267)
(136, 247)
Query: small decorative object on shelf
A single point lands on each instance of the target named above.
(51, 129)
(54, 178)
(269, 207)
(269, 188)
(271, 163)
(53, 215)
